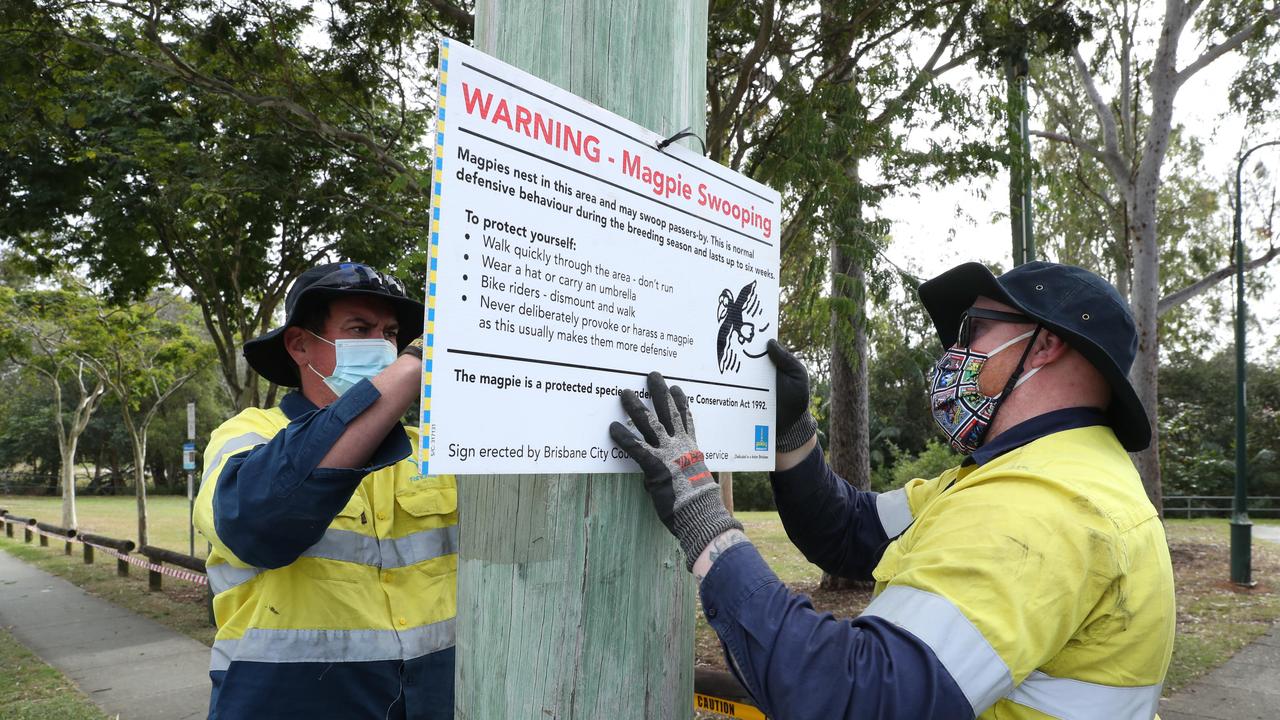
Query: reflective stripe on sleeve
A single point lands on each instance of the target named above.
(1079, 700)
(288, 646)
(234, 445)
(961, 648)
(894, 512)
(353, 547)
(225, 576)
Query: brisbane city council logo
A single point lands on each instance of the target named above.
(737, 331)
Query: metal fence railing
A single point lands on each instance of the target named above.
(1188, 506)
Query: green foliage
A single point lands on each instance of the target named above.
(27, 435)
(1197, 408)
(1007, 30)
(142, 351)
(220, 147)
(752, 491)
(936, 457)
(815, 99)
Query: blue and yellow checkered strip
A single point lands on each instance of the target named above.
(424, 447)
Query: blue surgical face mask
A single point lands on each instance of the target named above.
(356, 360)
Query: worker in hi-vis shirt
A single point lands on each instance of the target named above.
(1031, 581)
(334, 565)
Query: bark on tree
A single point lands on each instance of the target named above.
(726, 489)
(849, 434)
(849, 454)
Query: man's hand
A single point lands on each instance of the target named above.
(683, 491)
(795, 426)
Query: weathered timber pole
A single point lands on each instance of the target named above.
(573, 600)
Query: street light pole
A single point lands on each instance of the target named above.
(1241, 527)
(1019, 143)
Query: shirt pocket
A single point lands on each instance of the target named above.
(429, 506)
(353, 514)
(887, 569)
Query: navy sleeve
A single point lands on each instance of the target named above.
(797, 663)
(273, 502)
(833, 524)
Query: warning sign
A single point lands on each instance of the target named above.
(573, 252)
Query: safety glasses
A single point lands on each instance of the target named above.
(965, 335)
(355, 276)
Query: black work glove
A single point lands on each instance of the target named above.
(683, 491)
(795, 424)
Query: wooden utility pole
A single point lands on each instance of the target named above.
(573, 600)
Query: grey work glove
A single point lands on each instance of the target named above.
(794, 423)
(683, 491)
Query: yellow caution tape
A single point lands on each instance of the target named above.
(727, 708)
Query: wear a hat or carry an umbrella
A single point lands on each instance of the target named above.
(267, 354)
(1075, 304)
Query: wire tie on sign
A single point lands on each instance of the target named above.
(687, 132)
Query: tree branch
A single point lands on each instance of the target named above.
(1091, 150)
(746, 70)
(455, 14)
(928, 71)
(1232, 43)
(1178, 297)
(1110, 141)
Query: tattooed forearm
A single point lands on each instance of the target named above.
(723, 542)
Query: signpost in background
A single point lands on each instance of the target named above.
(189, 464)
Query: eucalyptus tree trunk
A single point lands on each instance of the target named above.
(67, 481)
(69, 437)
(138, 441)
(1134, 160)
(849, 436)
(573, 599)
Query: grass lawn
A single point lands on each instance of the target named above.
(1215, 618)
(116, 517)
(31, 690)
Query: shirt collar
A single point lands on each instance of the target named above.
(294, 405)
(1034, 429)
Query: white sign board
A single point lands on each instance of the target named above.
(570, 256)
(191, 421)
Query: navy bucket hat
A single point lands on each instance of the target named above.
(266, 353)
(1075, 304)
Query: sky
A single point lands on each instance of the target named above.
(934, 229)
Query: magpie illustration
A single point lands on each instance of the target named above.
(732, 313)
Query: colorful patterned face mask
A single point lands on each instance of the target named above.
(961, 410)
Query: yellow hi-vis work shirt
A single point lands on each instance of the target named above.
(1041, 579)
(334, 589)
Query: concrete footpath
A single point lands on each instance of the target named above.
(132, 667)
(1246, 687)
